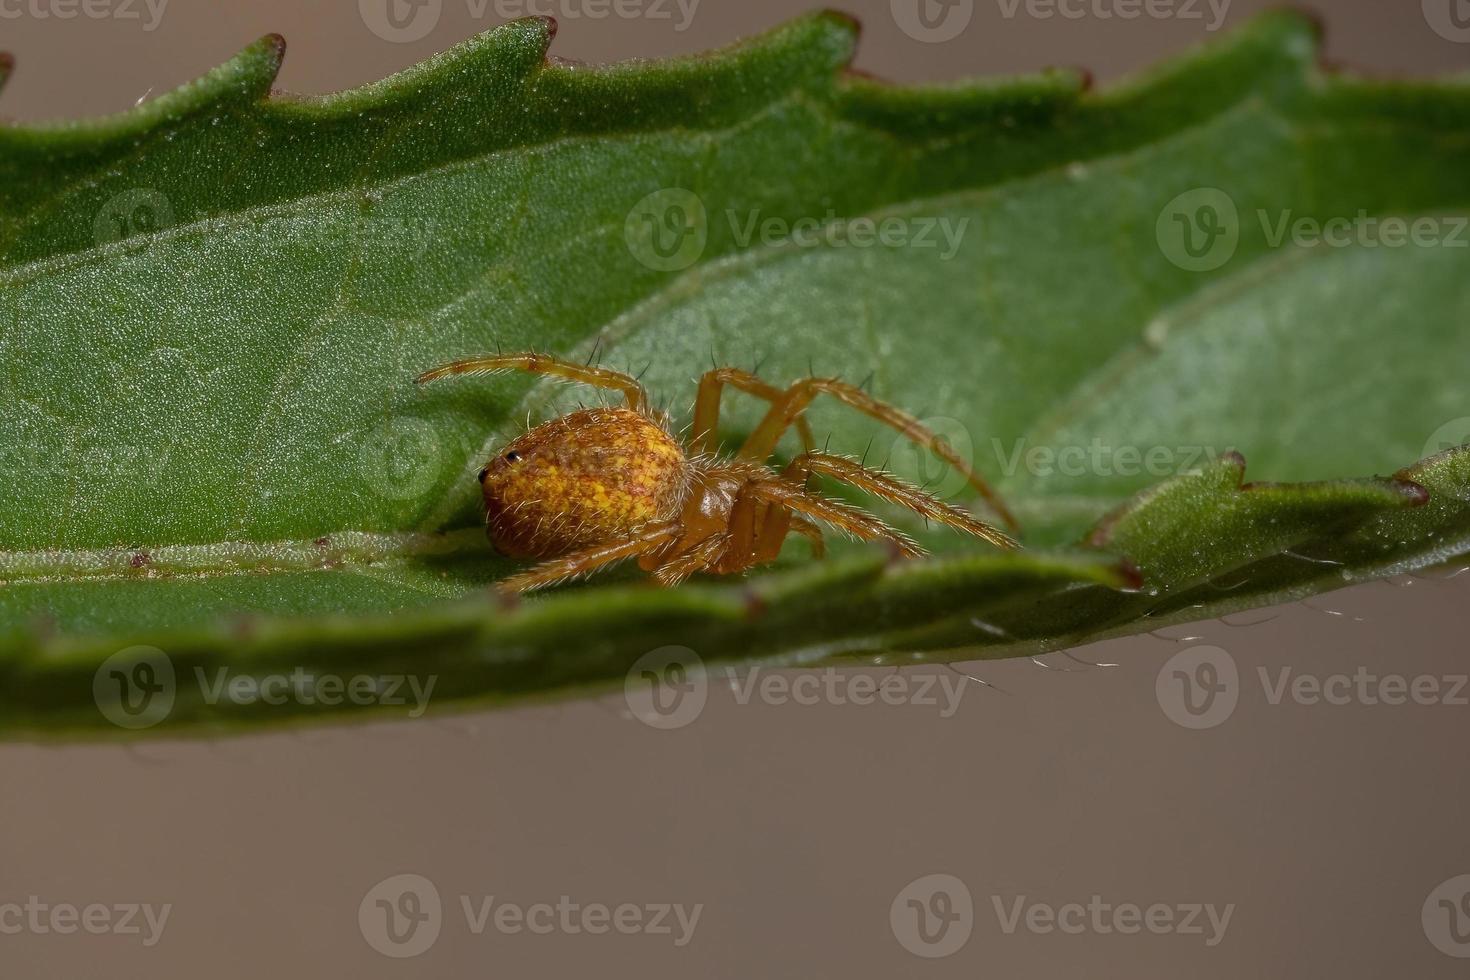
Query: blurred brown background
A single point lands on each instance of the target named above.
(806, 833)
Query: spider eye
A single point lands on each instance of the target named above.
(484, 473)
(512, 457)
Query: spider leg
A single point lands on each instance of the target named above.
(705, 554)
(811, 531)
(895, 491)
(646, 539)
(796, 398)
(756, 529)
(776, 524)
(532, 363)
(784, 496)
(707, 405)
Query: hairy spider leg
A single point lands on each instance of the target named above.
(645, 540)
(781, 495)
(705, 439)
(754, 532)
(888, 487)
(703, 555)
(747, 514)
(796, 398)
(598, 377)
(812, 532)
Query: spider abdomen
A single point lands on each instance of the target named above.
(581, 479)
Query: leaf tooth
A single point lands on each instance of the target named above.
(246, 77)
(1227, 471)
(1416, 494)
(1426, 467)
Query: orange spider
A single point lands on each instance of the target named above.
(603, 484)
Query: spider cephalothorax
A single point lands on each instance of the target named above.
(603, 484)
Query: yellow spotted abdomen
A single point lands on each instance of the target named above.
(587, 478)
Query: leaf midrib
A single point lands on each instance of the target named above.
(339, 550)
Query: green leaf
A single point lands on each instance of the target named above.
(212, 307)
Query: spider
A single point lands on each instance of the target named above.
(600, 485)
